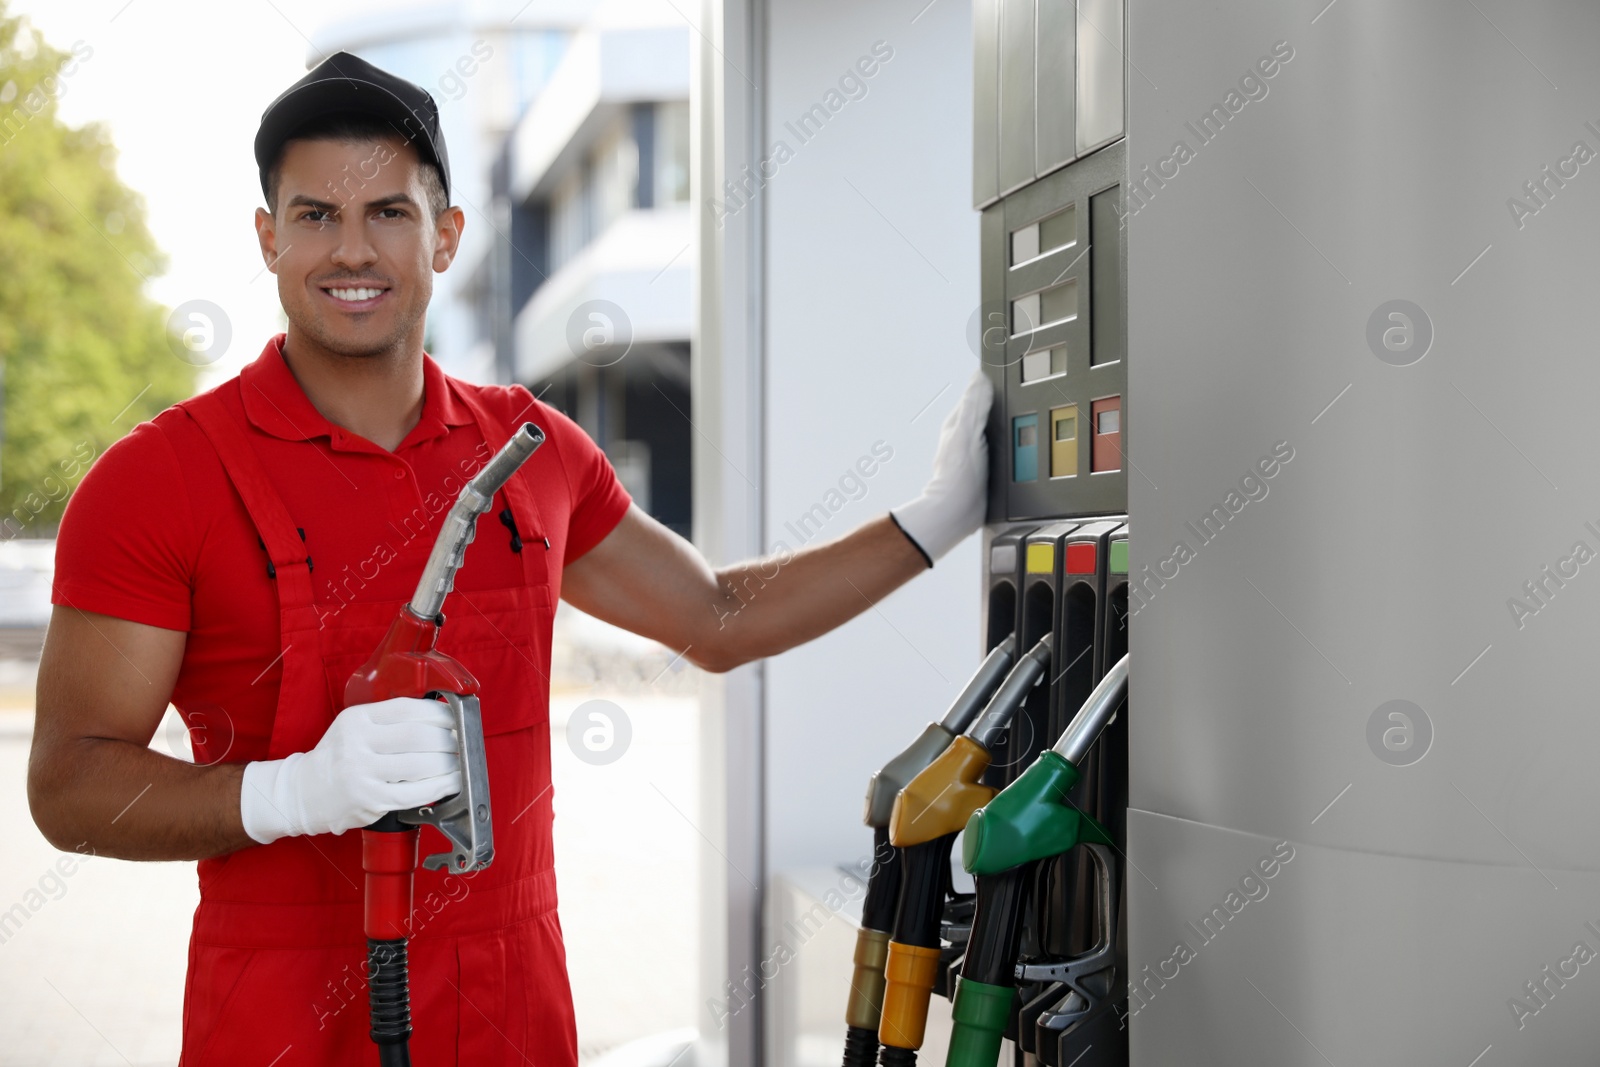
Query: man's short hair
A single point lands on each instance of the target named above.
(353, 128)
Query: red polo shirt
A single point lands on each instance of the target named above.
(157, 535)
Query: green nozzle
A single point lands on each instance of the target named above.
(980, 1012)
(1030, 819)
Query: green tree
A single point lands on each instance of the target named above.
(84, 354)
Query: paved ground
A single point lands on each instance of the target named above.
(94, 974)
(91, 968)
(626, 865)
(21, 643)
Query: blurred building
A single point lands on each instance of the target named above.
(568, 127)
(596, 283)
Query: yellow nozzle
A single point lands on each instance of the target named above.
(866, 985)
(942, 798)
(909, 974)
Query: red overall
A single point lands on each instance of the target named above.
(277, 956)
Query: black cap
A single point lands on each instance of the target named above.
(346, 83)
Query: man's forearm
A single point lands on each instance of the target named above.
(129, 802)
(772, 604)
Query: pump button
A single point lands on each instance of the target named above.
(1081, 558)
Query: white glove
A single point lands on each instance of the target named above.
(374, 758)
(953, 503)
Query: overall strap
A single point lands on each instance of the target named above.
(300, 717)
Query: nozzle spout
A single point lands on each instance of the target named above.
(1096, 712)
(462, 522)
(981, 686)
(1034, 665)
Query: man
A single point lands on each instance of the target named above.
(242, 554)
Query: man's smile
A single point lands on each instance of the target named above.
(355, 297)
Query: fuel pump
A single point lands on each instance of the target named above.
(406, 664)
(1029, 821)
(928, 814)
(883, 883)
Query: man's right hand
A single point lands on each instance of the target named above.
(374, 758)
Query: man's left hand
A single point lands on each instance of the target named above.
(953, 504)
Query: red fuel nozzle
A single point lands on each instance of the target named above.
(406, 664)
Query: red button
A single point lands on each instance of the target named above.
(1080, 558)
